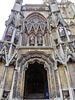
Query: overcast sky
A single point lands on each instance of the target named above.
(5, 11)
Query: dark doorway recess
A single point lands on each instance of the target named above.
(35, 82)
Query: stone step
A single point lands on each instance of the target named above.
(36, 95)
(37, 99)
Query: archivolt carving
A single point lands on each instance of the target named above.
(42, 58)
(36, 54)
(32, 61)
(33, 15)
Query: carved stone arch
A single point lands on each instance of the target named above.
(35, 14)
(39, 30)
(32, 61)
(36, 54)
(71, 57)
(59, 22)
(41, 58)
(32, 30)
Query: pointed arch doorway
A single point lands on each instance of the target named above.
(35, 82)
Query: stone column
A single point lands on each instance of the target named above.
(35, 40)
(22, 84)
(51, 40)
(59, 39)
(43, 41)
(67, 34)
(12, 40)
(49, 79)
(20, 39)
(3, 83)
(69, 86)
(52, 81)
(13, 83)
(27, 41)
(60, 88)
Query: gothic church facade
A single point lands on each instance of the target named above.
(37, 52)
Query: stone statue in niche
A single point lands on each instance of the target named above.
(10, 30)
(17, 35)
(11, 20)
(32, 40)
(39, 40)
(9, 33)
(61, 30)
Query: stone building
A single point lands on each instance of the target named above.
(37, 52)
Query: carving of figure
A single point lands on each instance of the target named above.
(32, 40)
(61, 30)
(10, 30)
(17, 36)
(9, 33)
(11, 20)
(39, 39)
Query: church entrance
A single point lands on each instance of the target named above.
(35, 82)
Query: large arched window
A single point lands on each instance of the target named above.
(35, 33)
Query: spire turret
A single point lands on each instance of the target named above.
(17, 5)
(53, 5)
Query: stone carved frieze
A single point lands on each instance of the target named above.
(36, 54)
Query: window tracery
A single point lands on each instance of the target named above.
(35, 26)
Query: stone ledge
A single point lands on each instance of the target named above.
(38, 99)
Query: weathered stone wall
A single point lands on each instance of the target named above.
(63, 78)
(71, 66)
(9, 78)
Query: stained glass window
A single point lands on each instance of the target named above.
(35, 20)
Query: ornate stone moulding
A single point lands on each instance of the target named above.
(35, 56)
